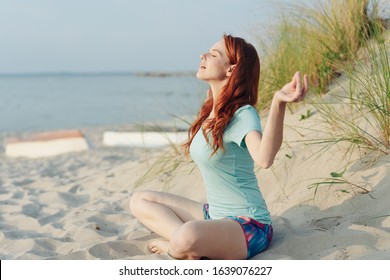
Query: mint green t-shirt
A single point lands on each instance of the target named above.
(230, 181)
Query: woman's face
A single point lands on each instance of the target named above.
(214, 65)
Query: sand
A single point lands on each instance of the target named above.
(75, 206)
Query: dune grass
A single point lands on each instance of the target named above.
(325, 39)
(360, 115)
(344, 185)
(312, 39)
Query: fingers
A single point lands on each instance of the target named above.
(297, 77)
(297, 87)
(296, 90)
(300, 92)
(294, 79)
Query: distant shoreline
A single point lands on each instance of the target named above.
(165, 74)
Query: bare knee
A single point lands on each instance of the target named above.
(137, 200)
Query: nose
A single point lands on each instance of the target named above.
(202, 56)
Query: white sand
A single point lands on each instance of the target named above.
(75, 206)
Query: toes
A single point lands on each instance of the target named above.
(158, 246)
(153, 249)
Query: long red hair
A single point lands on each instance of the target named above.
(241, 89)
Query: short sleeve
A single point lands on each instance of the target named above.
(244, 120)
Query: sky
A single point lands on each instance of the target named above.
(119, 35)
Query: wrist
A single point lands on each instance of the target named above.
(276, 100)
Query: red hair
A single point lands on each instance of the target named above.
(241, 89)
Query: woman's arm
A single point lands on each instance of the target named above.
(264, 147)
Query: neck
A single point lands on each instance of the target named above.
(216, 88)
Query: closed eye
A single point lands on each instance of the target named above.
(215, 52)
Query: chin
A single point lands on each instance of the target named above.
(199, 76)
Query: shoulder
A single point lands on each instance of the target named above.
(246, 111)
(245, 117)
(244, 120)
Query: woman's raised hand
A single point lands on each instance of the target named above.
(294, 91)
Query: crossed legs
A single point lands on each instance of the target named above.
(187, 235)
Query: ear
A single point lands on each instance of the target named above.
(230, 70)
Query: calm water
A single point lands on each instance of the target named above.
(57, 101)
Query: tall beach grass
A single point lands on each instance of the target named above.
(326, 39)
(360, 114)
(312, 39)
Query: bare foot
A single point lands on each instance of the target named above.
(159, 246)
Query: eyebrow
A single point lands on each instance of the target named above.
(215, 50)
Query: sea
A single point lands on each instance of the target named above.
(56, 101)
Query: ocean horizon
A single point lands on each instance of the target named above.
(45, 101)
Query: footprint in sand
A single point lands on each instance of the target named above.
(325, 224)
(115, 250)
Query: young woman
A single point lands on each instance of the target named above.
(224, 141)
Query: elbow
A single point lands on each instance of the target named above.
(265, 164)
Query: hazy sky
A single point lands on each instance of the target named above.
(119, 35)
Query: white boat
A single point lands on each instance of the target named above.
(145, 139)
(46, 144)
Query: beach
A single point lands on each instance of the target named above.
(108, 135)
(94, 107)
(75, 205)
